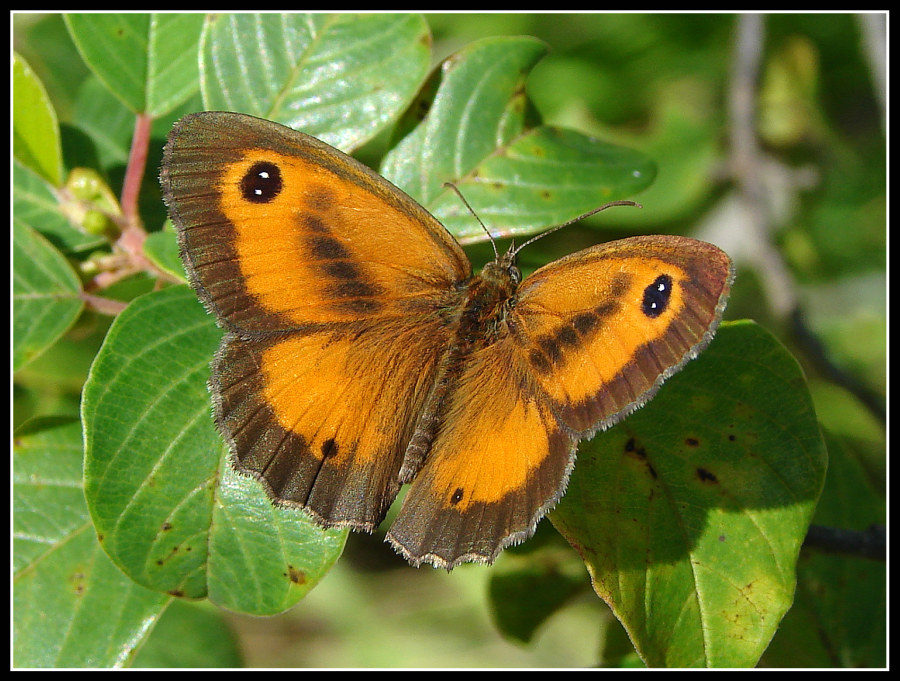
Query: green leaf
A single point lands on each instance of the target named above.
(46, 477)
(158, 487)
(690, 513)
(190, 635)
(35, 130)
(71, 606)
(107, 124)
(532, 581)
(264, 558)
(518, 179)
(151, 452)
(479, 106)
(148, 61)
(173, 60)
(543, 178)
(341, 78)
(839, 614)
(46, 295)
(162, 249)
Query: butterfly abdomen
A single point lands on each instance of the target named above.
(476, 324)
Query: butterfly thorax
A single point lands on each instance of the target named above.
(489, 298)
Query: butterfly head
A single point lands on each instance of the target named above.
(503, 268)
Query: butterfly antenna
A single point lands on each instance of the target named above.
(472, 211)
(578, 219)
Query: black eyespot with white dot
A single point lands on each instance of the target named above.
(656, 296)
(262, 182)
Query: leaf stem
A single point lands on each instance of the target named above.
(106, 306)
(134, 173)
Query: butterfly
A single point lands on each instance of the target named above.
(362, 354)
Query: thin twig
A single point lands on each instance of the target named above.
(874, 40)
(869, 543)
(747, 168)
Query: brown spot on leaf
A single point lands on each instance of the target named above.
(295, 575)
(706, 476)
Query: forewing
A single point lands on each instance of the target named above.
(279, 230)
(603, 328)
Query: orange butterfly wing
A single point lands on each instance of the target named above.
(331, 283)
(603, 328)
(590, 338)
(279, 230)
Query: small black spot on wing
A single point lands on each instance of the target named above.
(329, 448)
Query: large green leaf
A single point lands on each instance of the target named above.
(35, 131)
(478, 106)
(690, 513)
(148, 61)
(478, 133)
(46, 294)
(71, 606)
(339, 77)
(165, 503)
